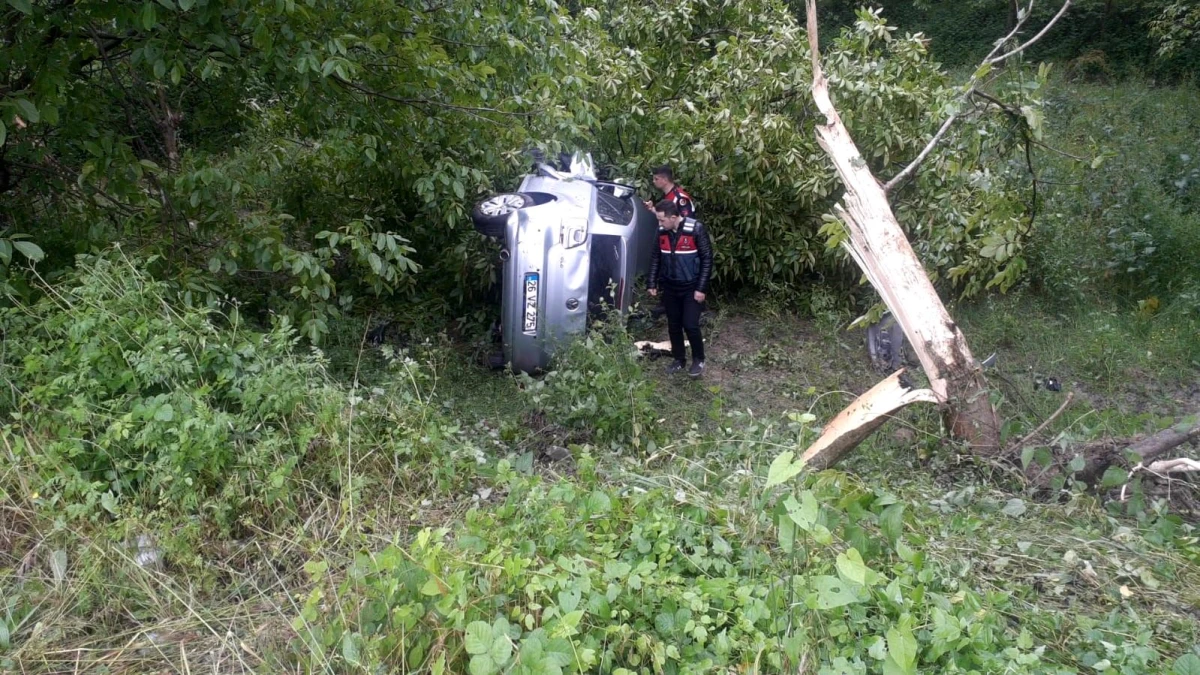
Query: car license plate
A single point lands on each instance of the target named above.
(531, 302)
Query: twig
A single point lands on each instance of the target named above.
(1043, 425)
(1006, 55)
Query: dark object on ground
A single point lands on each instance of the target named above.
(885, 344)
(696, 370)
(557, 453)
(1050, 383)
(675, 367)
(378, 334)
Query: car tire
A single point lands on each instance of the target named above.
(491, 215)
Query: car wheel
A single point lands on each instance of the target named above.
(491, 214)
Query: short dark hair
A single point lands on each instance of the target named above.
(667, 208)
(664, 171)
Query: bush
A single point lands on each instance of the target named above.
(123, 401)
(598, 386)
(576, 577)
(119, 397)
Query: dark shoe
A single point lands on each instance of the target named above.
(697, 369)
(675, 367)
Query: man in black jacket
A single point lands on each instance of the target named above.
(680, 269)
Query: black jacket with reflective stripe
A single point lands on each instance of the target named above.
(683, 258)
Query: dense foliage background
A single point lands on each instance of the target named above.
(206, 204)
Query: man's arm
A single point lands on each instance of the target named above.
(704, 249)
(655, 256)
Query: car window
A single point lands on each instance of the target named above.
(613, 210)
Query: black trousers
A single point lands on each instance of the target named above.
(683, 316)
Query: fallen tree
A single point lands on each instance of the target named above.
(879, 246)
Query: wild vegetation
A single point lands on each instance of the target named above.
(207, 467)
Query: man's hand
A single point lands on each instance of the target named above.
(649, 204)
(699, 296)
(654, 292)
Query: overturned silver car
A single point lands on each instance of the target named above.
(571, 248)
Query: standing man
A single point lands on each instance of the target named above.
(664, 179)
(680, 270)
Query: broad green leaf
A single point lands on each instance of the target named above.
(805, 512)
(902, 648)
(783, 469)
(832, 592)
(3, 133)
(1077, 464)
(1188, 664)
(109, 502)
(1014, 508)
(149, 16)
(478, 637)
(28, 110)
(1113, 476)
(787, 533)
(501, 650)
(891, 522)
(350, 649)
(432, 587)
(482, 664)
(850, 566)
(22, 6)
(58, 565)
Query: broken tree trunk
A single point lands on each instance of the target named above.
(1098, 457)
(879, 246)
(861, 419)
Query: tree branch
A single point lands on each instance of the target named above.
(911, 169)
(971, 89)
(1032, 41)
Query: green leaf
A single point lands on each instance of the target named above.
(783, 469)
(832, 592)
(22, 6)
(850, 566)
(149, 16)
(1077, 464)
(478, 638)
(58, 565)
(165, 413)
(432, 587)
(482, 664)
(1188, 664)
(891, 522)
(902, 649)
(109, 502)
(1014, 508)
(3, 133)
(501, 650)
(350, 649)
(185, 5)
(28, 110)
(805, 512)
(1113, 476)
(787, 533)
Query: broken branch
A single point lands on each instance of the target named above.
(861, 418)
(1033, 434)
